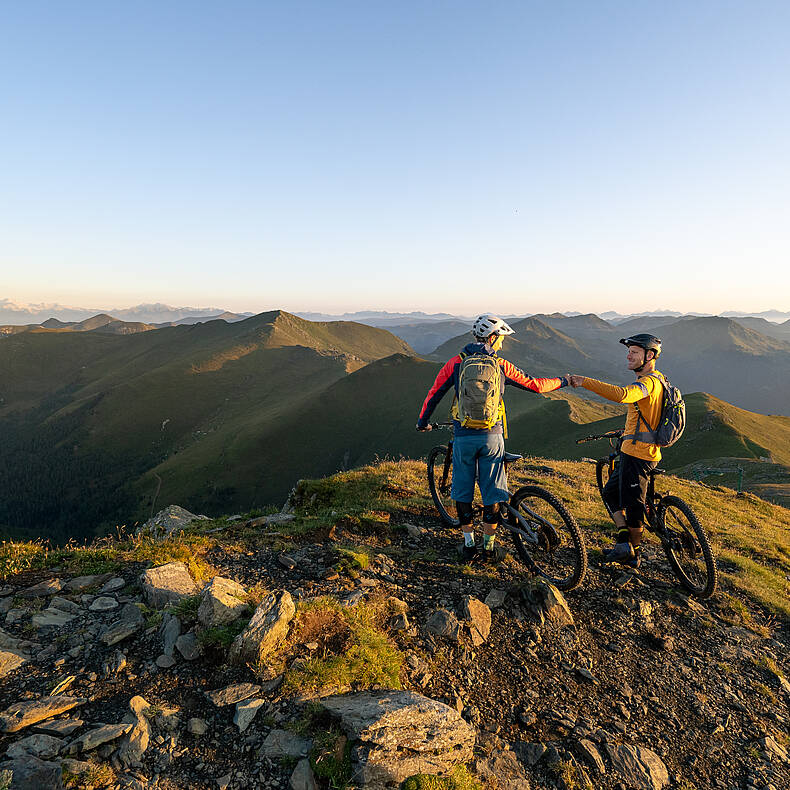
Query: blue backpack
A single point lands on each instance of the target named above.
(672, 422)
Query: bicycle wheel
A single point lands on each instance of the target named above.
(687, 547)
(440, 480)
(603, 469)
(560, 556)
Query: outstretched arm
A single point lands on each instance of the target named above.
(630, 394)
(518, 378)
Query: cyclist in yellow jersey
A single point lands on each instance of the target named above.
(626, 489)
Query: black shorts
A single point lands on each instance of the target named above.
(627, 487)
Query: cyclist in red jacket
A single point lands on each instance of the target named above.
(479, 438)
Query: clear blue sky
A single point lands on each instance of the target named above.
(443, 156)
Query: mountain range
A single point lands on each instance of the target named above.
(98, 424)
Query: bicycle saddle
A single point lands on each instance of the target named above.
(658, 471)
(511, 457)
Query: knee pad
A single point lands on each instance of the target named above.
(465, 512)
(491, 513)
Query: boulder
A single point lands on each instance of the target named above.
(495, 599)
(281, 743)
(246, 711)
(443, 623)
(267, 628)
(22, 714)
(189, 647)
(221, 602)
(399, 734)
(136, 741)
(170, 630)
(42, 589)
(477, 617)
(79, 583)
(546, 603)
(197, 726)
(302, 777)
(99, 736)
(65, 605)
(167, 584)
(502, 770)
(588, 751)
(639, 768)
(45, 747)
(230, 695)
(30, 773)
(104, 603)
(63, 727)
(172, 519)
(51, 618)
(130, 621)
(113, 585)
(11, 660)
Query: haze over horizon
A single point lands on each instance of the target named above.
(526, 157)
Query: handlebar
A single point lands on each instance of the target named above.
(440, 425)
(608, 435)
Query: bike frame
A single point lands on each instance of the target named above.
(652, 499)
(523, 528)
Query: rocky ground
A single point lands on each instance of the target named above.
(625, 683)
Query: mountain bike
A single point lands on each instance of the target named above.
(674, 522)
(547, 538)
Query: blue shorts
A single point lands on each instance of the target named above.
(479, 456)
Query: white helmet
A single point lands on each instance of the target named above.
(487, 325)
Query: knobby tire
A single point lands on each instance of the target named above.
(442, 500)
(562, 558)
(695, 536)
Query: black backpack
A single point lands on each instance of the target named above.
(672, 422)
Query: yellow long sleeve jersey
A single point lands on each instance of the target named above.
(648, 394)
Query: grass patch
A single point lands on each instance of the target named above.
(568, 775)
(186, 608)
(109, 554)
(353, 558)
(765, 692)
(459, 779)
(352, 648)
(95, 776)
(222, 636)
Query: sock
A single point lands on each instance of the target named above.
(488, 542)
(623, 535)
(469, 538)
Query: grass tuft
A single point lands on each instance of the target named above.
(353, 648)
(459, 779)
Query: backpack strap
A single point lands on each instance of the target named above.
(648, 436)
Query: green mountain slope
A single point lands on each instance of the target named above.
(84, 415)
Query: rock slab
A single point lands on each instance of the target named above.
(167, 584)
(221, 602)
(547, 604)
(639, 768)
(502, 770)
(477, 617)
(30, 773)
(11, 660)
(400, 733)
(22, 714)
(267, 628)
(172, 519)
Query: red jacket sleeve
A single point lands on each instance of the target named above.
(521, 380)
(444, 380)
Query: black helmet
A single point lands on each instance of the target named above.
(647, 342)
